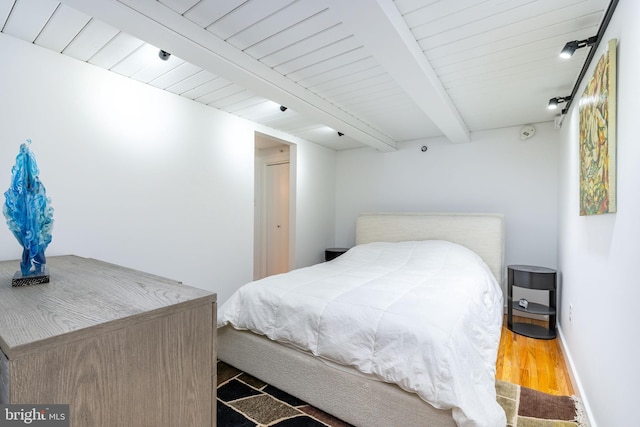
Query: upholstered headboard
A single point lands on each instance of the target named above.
(482, 233)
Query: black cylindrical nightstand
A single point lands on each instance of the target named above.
(331, 253)
(538, 278)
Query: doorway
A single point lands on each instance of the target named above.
(273, 207)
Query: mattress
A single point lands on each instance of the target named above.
(423, 315)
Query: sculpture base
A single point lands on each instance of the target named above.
(35, 279)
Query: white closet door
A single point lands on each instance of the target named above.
(277, 205)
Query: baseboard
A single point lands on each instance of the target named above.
(575, 378)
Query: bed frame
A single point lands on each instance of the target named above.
(342, 391)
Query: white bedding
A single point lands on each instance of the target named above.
(424, 315)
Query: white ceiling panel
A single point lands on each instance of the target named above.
(62, 28)
(206, 88)
(297, 47)
(224, 96)
(260, 112)
(275, 23)
(244, 16)
(332, 64)
(290, 36)
(324, 56)
(5, 11)
(206, 12)
(181, 6)
(346, 82)
(336, 73)
(196, 80)
(156, 69)
(176, 75)
(142, 57)
(381, 72)
(93, 37)
(244, 104)
(28, 18)
(115, 50)
(231, 98)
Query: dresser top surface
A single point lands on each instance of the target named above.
(83, 293)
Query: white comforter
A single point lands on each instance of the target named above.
(424, 315)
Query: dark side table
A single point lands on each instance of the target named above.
(540, 279)
(331, 253)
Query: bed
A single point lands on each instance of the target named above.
(384, 388)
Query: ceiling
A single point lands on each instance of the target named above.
(378, 71)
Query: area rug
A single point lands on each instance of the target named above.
(245, 401)
(525, 407)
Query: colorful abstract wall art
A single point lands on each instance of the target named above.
(597, 110)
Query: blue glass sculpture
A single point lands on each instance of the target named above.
(29, 216)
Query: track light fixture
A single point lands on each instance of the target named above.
(572, 46)
(164, 55)
(283, 108)
(553, 102)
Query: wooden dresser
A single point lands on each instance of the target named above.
(121, 347)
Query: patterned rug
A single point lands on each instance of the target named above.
(245, 401)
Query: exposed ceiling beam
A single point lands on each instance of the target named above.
(378, 25)
(151, 21)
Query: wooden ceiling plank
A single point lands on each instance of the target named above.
(543, 50)
(244, 16)
(371, 99)
(219, 94)
(277, 22)
(333, 64)
(90, 40)
(461, 17)
(433, 14)
(156, 68)
(60, 30)
(200, 78)
(408, 6)
(244, 104)
(155, 23)
(208, 87)
(361, 84)
(300, 31)
(345, 70)
(326, 53)
(5, 11)
(300, 47)
(534, 28)
(206, 12)
(260, 111)
(136, 60)
(118, 48)
(177, 74)
(28, 18)
(520, 19)
(180, 6)
(345, 81)
(387, 36)
(556, 33)
(230, 98)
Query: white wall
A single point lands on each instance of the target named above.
(144, 178)
(496, 172)
(598, 255)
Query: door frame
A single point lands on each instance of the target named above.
(270, 151)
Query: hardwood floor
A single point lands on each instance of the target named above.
(533, 363)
